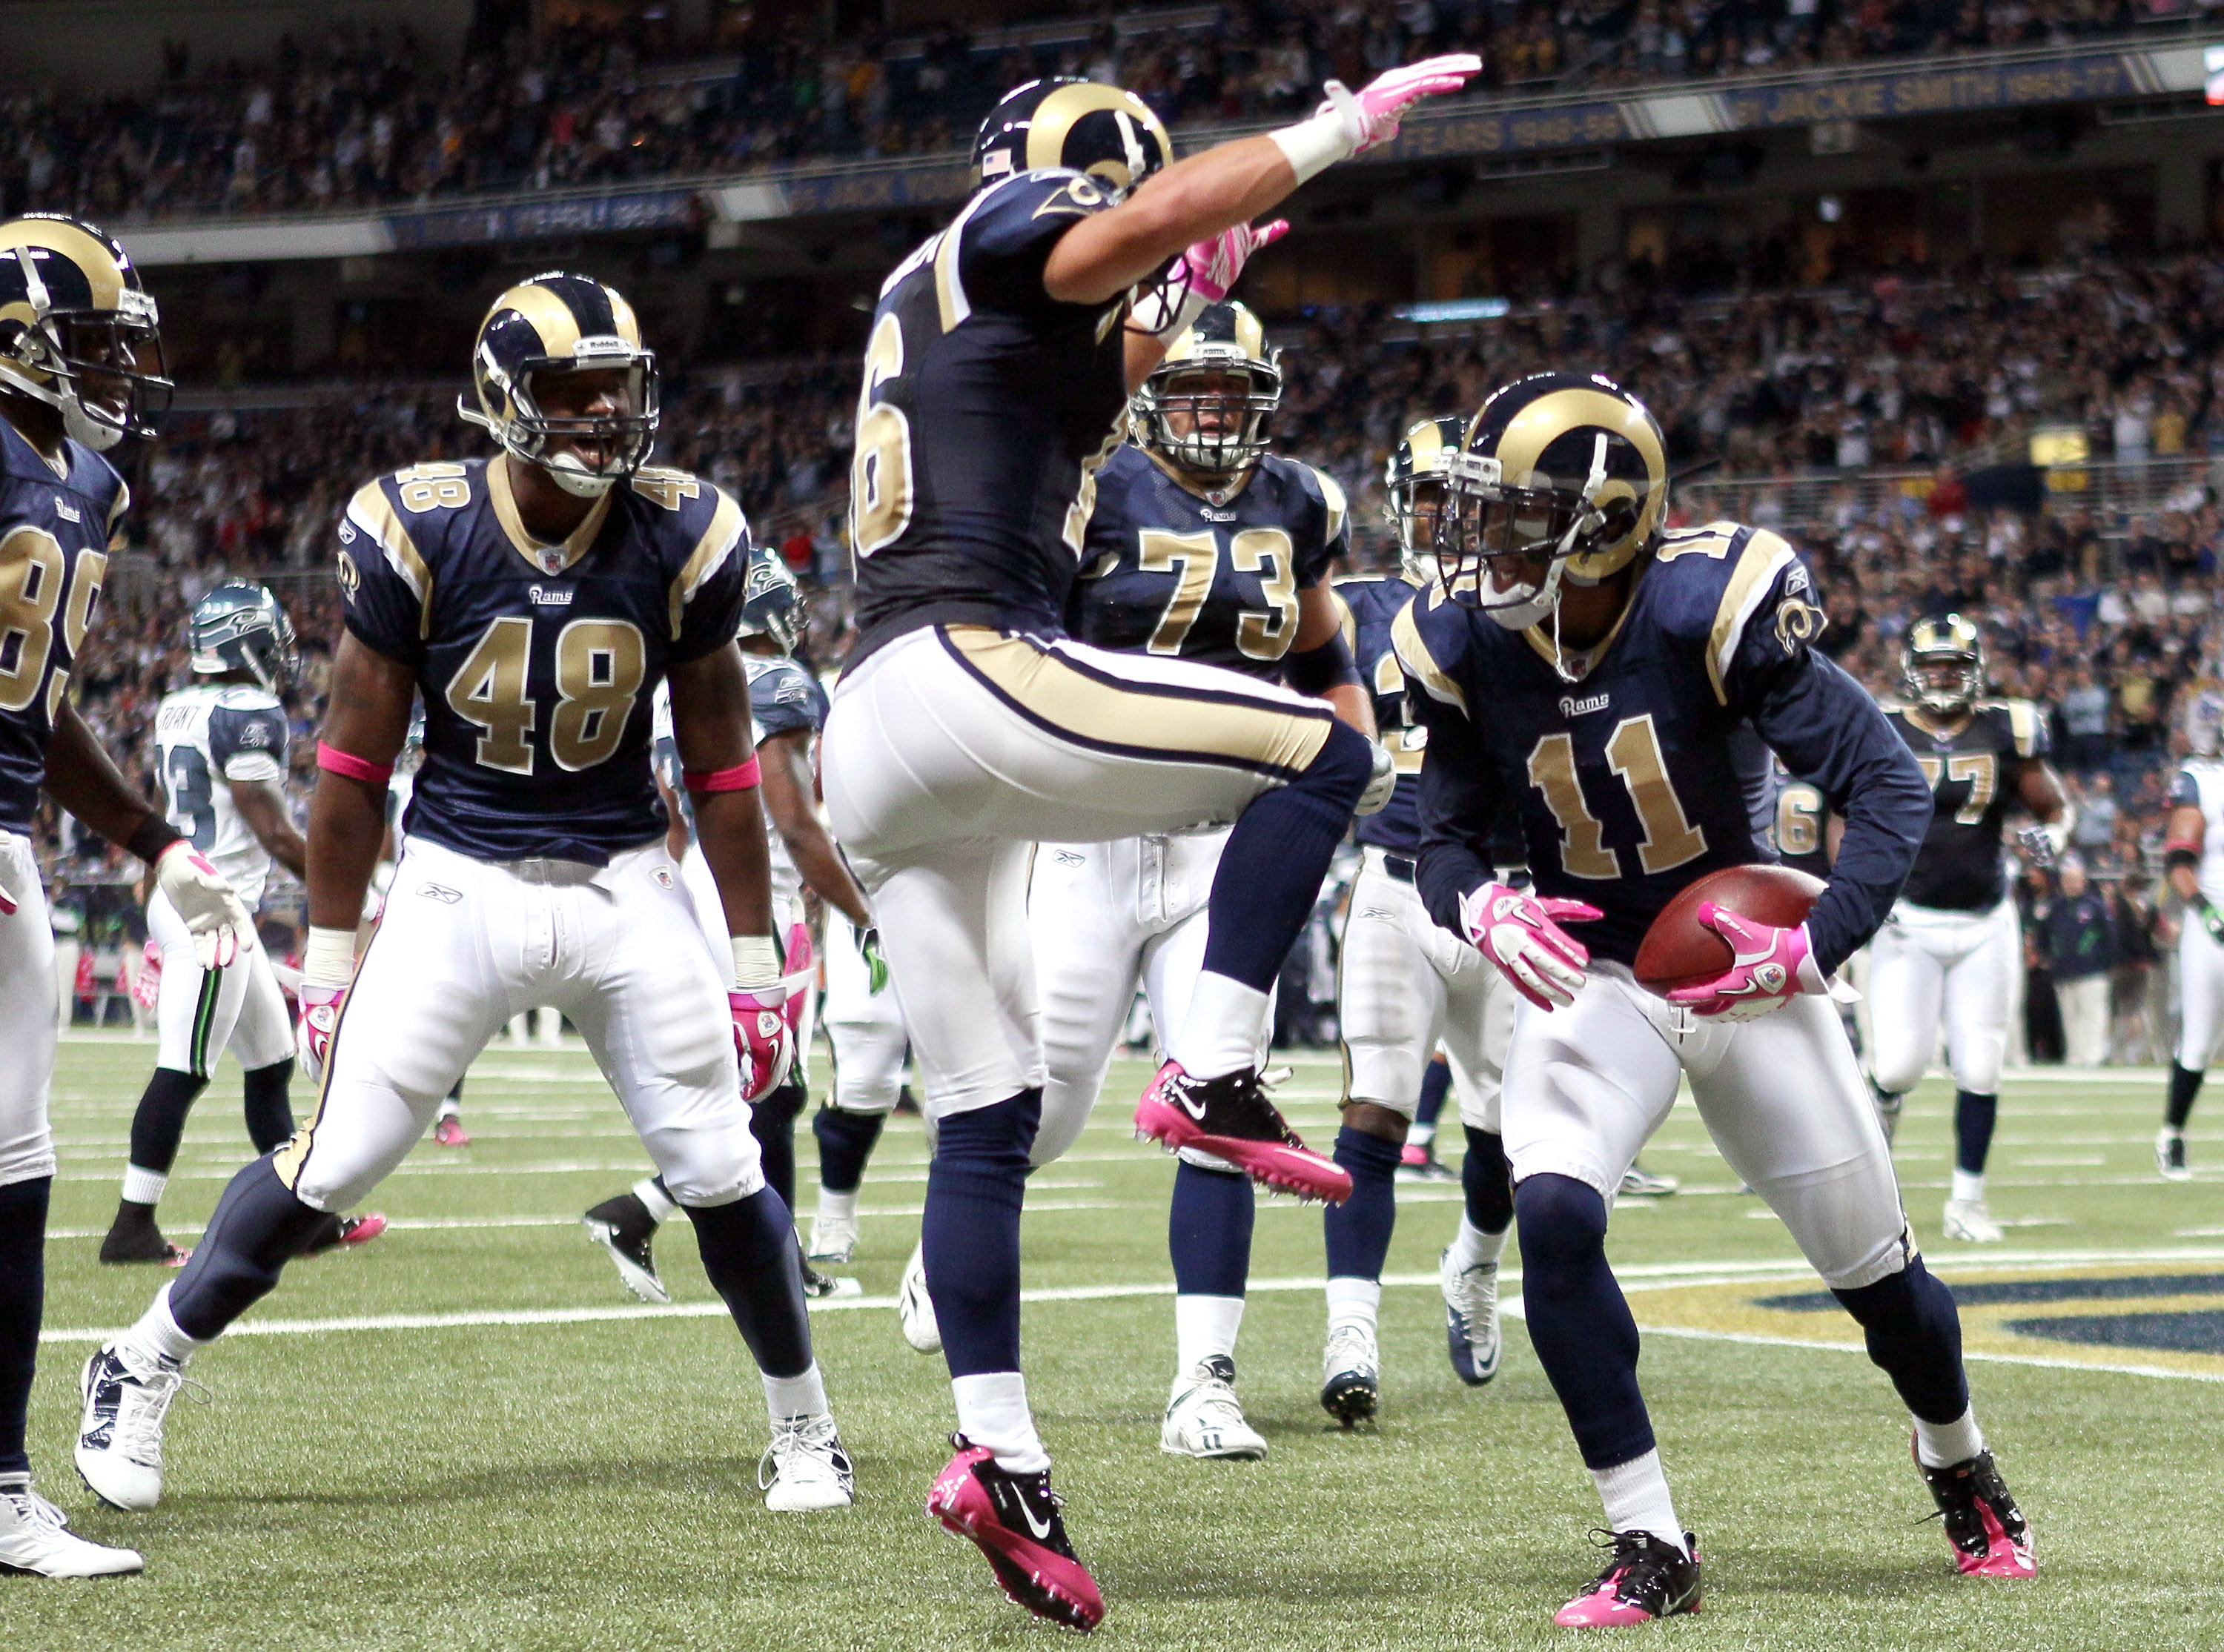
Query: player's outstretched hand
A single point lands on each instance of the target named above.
(1522, 936)
(1769, 967)
(313, 1035)
(1371, 114)
(219, 924)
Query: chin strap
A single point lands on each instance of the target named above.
(1587, 520)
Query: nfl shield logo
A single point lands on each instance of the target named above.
(663, 879)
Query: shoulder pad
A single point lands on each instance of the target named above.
(1418, 636)
(242, 696)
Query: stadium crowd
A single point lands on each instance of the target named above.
(361, 117)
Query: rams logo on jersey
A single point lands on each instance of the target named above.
(1798, 623)
(350, 576)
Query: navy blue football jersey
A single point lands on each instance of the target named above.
(988, 407)
(55, 530)
(1972, 765)
(1801, 820)
(1165, 571)
(538, 663)
(1634, 779)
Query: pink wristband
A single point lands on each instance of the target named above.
(738, 779)
(356, 768)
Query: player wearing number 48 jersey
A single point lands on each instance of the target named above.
(536, 601)
(1604, 678)
(1952, 947)
(966, 728)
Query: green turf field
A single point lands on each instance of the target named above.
(466, 1437)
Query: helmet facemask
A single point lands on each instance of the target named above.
(1209, 415)
(1415, 505)
(1505, 550)
(1946, 681)
(615, 443)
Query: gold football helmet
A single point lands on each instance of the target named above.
(1111, 135)
(1187, 411)
(554, 325)
(78, 330)
(1943, 664)
(1413, 493)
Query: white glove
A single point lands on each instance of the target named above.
(1380, 783)
(219, 924)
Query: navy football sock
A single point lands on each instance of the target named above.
(2184, 1086)
(1974, 1116)
(750, 1254)
(1579, 1321)
(1208, 1231)
(259, 1227)
(772, 1121)
(1487, 1180)
(23, 1300)
(1271, 869)
(1436, 1084)
(971, 1230)
(1914, 1336)
(846, 1144)
(1358, 1230)
(158, 1123)
(270, 1117)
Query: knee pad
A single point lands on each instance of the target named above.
(1563, 1227)
(1344, 763)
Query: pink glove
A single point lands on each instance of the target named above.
(147, 985)
(320, 1019)
(764, 1035)
(7, 903)
(1211, 268)
(1522, 936)
(1768, 969)
(1371, 116)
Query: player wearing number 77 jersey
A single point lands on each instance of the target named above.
(535, 599)
(1606, 678)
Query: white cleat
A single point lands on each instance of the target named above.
(1205, 1418)
(1470, 1318)
(119, 1441)
(1969, 1220)
(35, 1537)
(805, 1467)
(914, 1307)
(833, 1239)
(1351, 1376)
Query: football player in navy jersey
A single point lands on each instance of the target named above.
(1606, 678)
(536, 600)
(80, 366)
(1952, 950)
(966, 728)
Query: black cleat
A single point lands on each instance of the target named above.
(335, 1232)
(624, 1226)
(816, 1284)
(1648, 1578)
(1230, 1118)
(2169, 1156)
(1990, 1537)
(133, 1237)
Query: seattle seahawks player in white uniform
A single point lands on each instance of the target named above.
(2193, 860)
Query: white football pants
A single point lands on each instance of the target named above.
(199, 1013)
(1403, 985)
(954, 749)
(1926, 964)
(29, 1029)
(466, 944)
(1586, 1086)
(865, 1028)
(2199, 994)
(2084, 1019)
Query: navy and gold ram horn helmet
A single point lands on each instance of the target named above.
(1413, 487)
(540, 331)
(1943, 664)
(1081, 125)
(1561, 475)
(77, 331)
(1208, 404)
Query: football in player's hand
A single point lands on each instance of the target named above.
(1680, 951)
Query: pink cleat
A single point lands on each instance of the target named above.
(450, 1132)
(1991, 1537)
(339, 1232)
(1648, 1578)
(1015, 1519)
(1231, 1118)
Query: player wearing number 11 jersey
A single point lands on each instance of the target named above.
(1602, 676)
(534, 601)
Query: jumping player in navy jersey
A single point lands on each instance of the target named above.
(965, 728)
(1602, 676)
(535, 600)
(80, 368)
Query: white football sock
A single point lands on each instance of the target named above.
(1968, 1187)
(795, 1397)
(1420, 1135)
(1353, 1300)
(1204, 1326)
(660, 1204)
(449, 1108)
(992, 1411)
(1941, 1445)
(1636, 1497)
(1221, 1030)
(156, 1334)
(143, 1187)
(1473, 1248)
(838, 1207)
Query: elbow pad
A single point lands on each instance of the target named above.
(1319, 670)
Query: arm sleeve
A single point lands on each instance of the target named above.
(385, 586)
(1831, 733)
(1460, 800)
(707, 598)
(249, 746)
(785, 699)
(1003, 243)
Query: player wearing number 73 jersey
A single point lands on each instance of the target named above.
(1603, 676)
(534, 601)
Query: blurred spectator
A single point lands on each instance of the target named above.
(2078, 934)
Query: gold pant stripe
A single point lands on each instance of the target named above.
(1171, 721)
(295, 1155)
